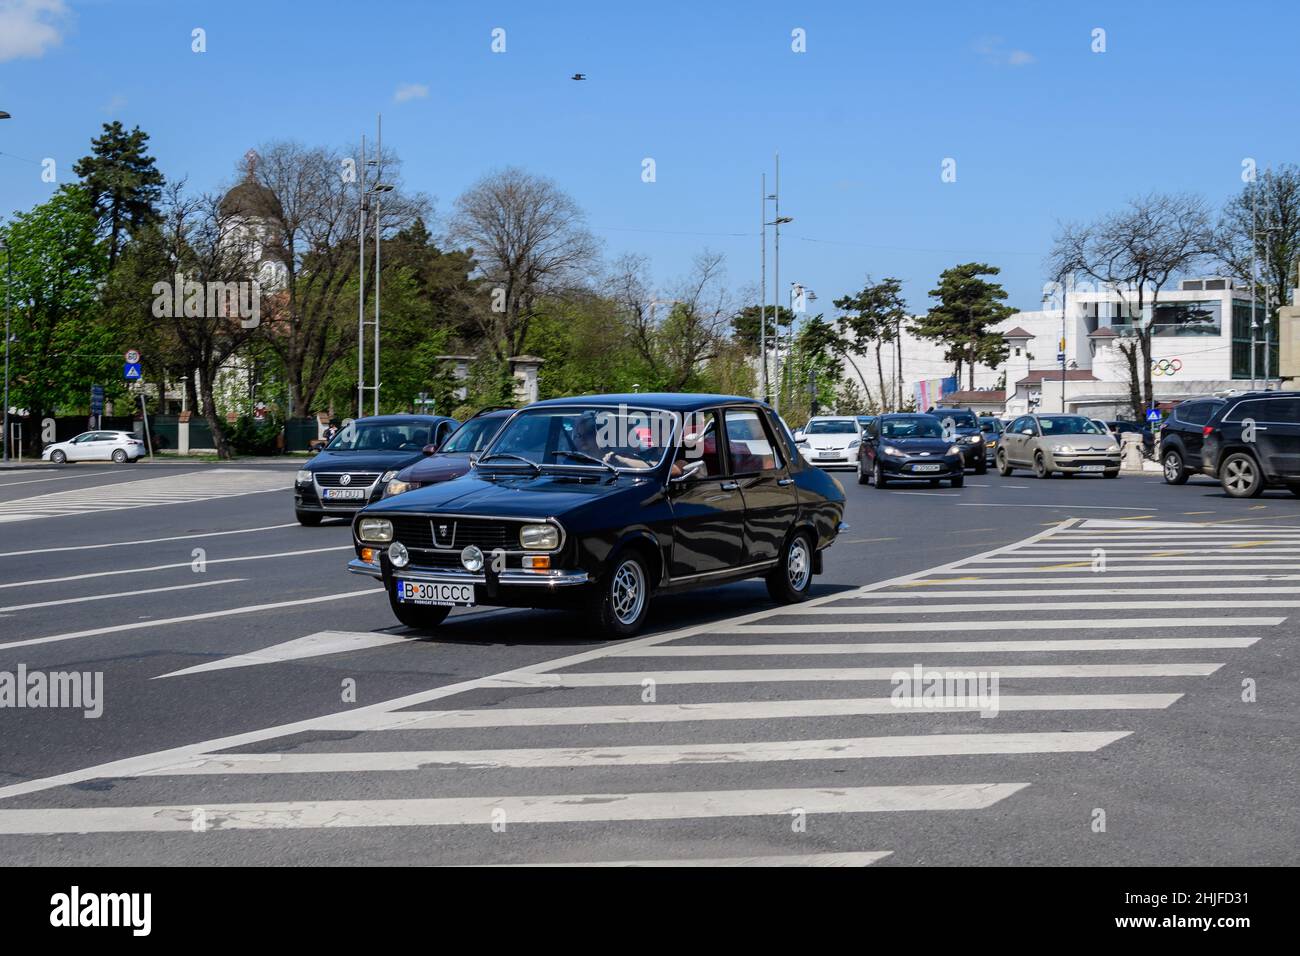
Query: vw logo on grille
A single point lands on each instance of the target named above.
(345, 480)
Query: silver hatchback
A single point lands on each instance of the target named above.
(1070, 444)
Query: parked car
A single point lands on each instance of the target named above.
(964, 428)
(360, 460)
(1252, 441)
(1070, 444)
(992, 428)
(830, 441)
(910, 447)
(1182, 436)
(96, 446)
(453, 457)
(599, 504)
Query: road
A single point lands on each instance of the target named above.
(261, 706)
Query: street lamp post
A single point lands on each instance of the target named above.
(9, 281)
(365, 193)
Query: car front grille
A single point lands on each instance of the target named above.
(356, 479)
(418, 531)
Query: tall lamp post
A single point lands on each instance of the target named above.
(9, 275)
(366, 193)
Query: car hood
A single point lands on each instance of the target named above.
(1082, 442)
(436, 468)
(917, 446)
(362, 460)
(829, 440)
(509, 496)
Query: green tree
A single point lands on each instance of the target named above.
(875, 315)
(57, 267)
(969, 307)
(813, 371)
(123, 184)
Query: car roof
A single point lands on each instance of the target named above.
(907, 415)
(493, 413)
(834, 418)
(667, 401)
(402, 419)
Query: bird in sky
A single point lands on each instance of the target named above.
(578, 76)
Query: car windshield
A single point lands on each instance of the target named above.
(831, 426)
(577, 436)
(911, 428)
(960, 418)
(381, 436)
(1069, 425)
(990, 425)
(471, 437)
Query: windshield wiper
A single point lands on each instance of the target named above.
(502, 454)
(583, 456)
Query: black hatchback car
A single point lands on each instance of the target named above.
(362, 458)
(600, 503)
(1253, 442)
(455, 456)
(909, 447)
(1182, 436)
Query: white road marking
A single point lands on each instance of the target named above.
(775, 675)
(863, 858)
(945, 647)
(1061, 592)
(764, 751)
(873, 627)
(478, 811)
(1066, 507)
(313, 645)
(1207, 566)
(160, 622)
(980, 607)
(169, 567)
(1114, 557)
(1162, 579)
(118, 594)
(146, 492)
(33, 481)
(726, 710)
(122, 544)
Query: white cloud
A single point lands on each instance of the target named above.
(30, 27)
(411, 91)
(994, 50)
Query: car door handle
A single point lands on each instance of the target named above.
(785, 481)
(729, 486)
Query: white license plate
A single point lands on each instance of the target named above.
(444, 595)
(927, 467)
(829, 454)
(1092, 467)
(344, 494)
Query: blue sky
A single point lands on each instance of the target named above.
(1042, 129)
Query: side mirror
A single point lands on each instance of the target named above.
(1029, 432)
(798, 436)
(429, 449)
(689, 472)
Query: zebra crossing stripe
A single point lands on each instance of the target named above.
(861, 858)
(967, 606)
(946, 647)
(874, 627)
(767, 751)
(481, 811)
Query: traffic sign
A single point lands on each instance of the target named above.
(1153, 414)
(132, 357)
(96, 399)
(131, 372)
(1060, 357)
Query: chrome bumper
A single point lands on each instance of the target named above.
(512, 577)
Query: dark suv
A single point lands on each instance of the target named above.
(961, 425)
(1252, 442)
(1182, 435)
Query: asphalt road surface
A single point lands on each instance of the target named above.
(261, 706)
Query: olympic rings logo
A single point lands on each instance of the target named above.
(1166, 366)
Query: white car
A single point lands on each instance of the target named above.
(96, 446)
(830, 441)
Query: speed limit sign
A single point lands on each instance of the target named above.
(131, 357)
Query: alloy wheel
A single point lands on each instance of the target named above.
(798, 563)
(1239, 475)
(627, 592)
(1173, 467)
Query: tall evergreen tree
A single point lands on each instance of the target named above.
(969, 306)
(123, 184)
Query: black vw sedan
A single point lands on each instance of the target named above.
(600, 503)
(360, 460)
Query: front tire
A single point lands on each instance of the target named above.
(1241, 476)
(981, 466)
(863, 477)
(119, 456)
(1175, 473)
(1004, 469)
(790, 581)
(308, 519)
(959, 481)
(623, 598)
(880, 479)
(58, 457)
(1040, 466)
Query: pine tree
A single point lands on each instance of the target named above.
(123, 185)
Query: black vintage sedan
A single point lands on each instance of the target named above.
(602, 502)
(360, 460)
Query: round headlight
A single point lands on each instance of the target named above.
(472, 557)
(976, 439)
(1062, 449)
(375, 529)
(303, 477)
(539, 537)
(398, 555)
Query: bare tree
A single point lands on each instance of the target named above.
(1136, 252)
(302, 206)
(529, 240)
